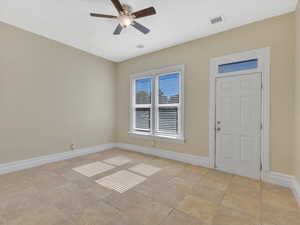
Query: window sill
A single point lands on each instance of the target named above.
(158, 137)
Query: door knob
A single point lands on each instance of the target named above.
(218, 128)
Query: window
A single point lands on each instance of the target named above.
(238, 66)
(143, 106)
(157, 103)
(168, 103)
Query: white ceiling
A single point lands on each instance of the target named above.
(177, 21)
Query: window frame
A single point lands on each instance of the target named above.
(154, 117)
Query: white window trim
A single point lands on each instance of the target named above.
(155, 134)
(263, 56)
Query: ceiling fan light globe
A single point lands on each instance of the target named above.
(125, 20)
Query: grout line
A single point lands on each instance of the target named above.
(261, 203)
(163, 220)
(227, 190)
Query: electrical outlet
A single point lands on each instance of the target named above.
(72, 146)
(153, 143)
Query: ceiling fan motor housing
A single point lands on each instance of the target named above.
(127, 9)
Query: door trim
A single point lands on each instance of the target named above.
(263, 56)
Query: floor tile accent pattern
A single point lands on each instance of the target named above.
(121, 181)
(144, 169)
(117, 161)
(178, 194)
(93, 169)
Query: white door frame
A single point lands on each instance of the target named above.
(263, 56)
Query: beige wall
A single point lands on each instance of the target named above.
(51, 96)
(297, 98)
(277, 33)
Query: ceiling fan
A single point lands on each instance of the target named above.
(127, 17)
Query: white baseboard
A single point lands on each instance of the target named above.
(296, 190)
(270, 177)
(38, 161)
(182, 157)
(283, 180)
(277, 178)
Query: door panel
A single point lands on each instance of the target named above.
(227, 144)
(247, 147)
(238, 121)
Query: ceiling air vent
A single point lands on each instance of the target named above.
(215, 20)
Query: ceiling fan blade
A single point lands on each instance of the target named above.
(103, 16)
(118, 5)
(144, 12)
(140, 27)
(118, 29)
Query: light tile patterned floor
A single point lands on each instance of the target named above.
(93, 169)
(178, 194)
(144, 169)
(121, 181)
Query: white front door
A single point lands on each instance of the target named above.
(238, 124)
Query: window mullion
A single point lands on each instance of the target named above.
(153, 105)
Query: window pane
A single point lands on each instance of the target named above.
(169, 89)
(143, 91)
(142, 119)
(238, 66)
(168, 119)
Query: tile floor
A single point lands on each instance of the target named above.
(178, 194)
